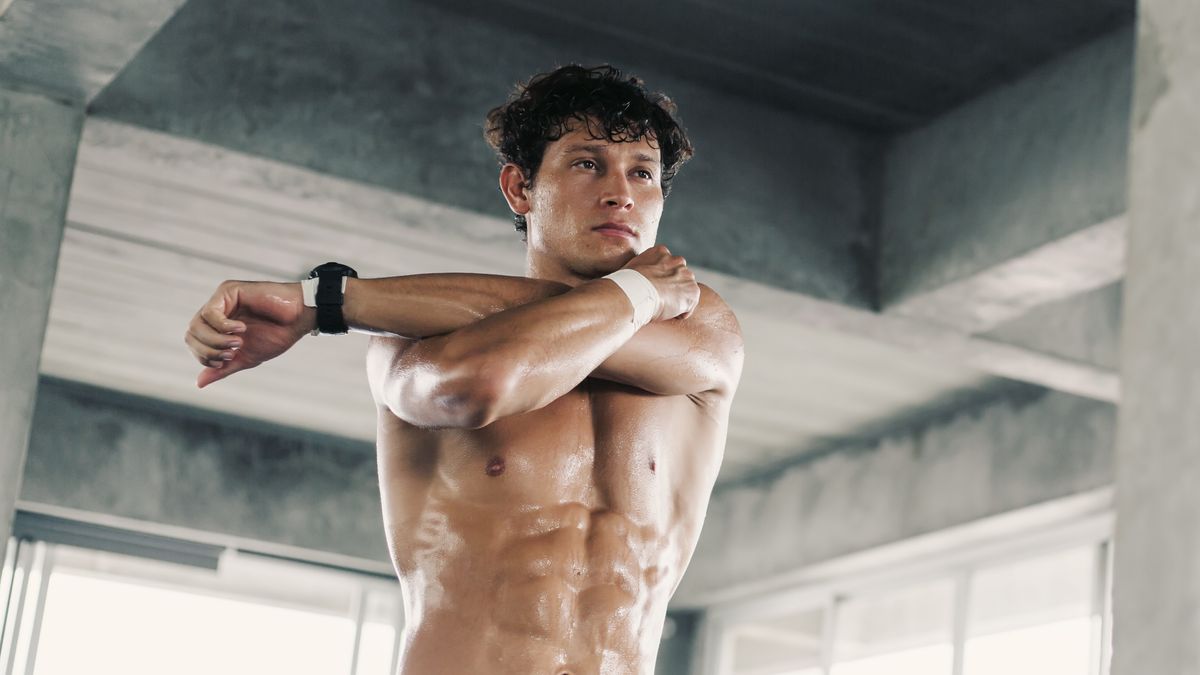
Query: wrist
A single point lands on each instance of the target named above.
(352, 302)
(641, 293)
(325, 289)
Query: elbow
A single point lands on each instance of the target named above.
(473, 395)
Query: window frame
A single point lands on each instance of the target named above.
(39, 531)
(1082, 520)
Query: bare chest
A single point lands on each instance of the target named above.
(602, 446)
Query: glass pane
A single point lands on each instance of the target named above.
(375, 650)
(902, 632)
(1033, 617)
(785, 645)
(103, 625)
(115, 613)
(382, 615)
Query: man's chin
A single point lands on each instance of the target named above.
(610, 264)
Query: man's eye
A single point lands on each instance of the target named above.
(586, 163)
(642, 173)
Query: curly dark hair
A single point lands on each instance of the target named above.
(614, 106)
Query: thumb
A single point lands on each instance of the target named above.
(210, 375)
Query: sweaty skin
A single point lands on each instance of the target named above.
(550, 541)
(545, 463)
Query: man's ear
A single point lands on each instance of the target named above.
(515, 188)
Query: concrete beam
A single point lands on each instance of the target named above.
(1014, 200)
(1026, 448)
(71, 49)
(1080, 262)
(38, 140)
(1085, 328)
(927, 339)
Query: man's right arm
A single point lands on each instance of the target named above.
(672, 357)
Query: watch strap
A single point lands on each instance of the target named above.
(330, 298)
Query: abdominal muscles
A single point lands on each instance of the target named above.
(563, 589)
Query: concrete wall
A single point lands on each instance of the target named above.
(1014, 169)
(100, 451)
(1156, 580)
(38, 141)
(385, 93)
(1026, 447)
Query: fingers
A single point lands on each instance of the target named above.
(222, 369)
(213, 314)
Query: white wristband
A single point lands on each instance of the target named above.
(641, 293)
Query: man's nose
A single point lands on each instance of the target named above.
(617, 192)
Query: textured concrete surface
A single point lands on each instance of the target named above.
(1084, 328)
(1025, 448)
(38, 140)
(70, 49)
(1079, 263)
(875, 63)
(1010, 171)
(384, 93)
(99, 451)
(1157, 570)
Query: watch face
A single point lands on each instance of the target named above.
(334, 268)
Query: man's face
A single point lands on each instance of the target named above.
(594, 204)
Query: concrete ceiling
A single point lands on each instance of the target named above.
(251, 139)
(884, 65)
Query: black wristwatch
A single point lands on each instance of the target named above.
(331, 282)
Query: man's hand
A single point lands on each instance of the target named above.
(244, 324)
(678, 292)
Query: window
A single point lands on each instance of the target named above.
(790, 644)
(72, 610)
(1035, 617)
(1035, 608)
(896, 632)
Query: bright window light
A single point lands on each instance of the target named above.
(923, 661)
(94, 624)
(1060, 648)
(375, 650)
(906, 631)
(1033, 617)
(783, 645)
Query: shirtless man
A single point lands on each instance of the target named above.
(547, 444)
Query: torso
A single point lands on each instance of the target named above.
(548, 542)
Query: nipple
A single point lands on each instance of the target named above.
(495, 467)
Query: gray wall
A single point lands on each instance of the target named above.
(1024, 447)
(100, 451)
(1014, 169)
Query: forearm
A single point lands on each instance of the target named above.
(425, 305)
(669, 357)
(510, 362)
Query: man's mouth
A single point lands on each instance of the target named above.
(616, 230)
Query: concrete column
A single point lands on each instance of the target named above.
(38, 141)
(1157, 570)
